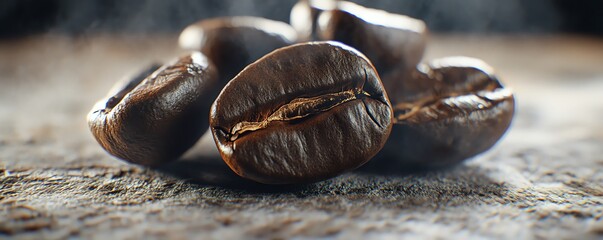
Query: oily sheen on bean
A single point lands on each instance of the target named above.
(445, 112)
(232, 43)
(391, 41)
(304, 17)
(301, 114)
(152, 119)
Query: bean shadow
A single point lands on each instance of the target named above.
(212, 171)
(375, 184)
(205, 168)
(388, 166)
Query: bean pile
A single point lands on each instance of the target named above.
(343, 84)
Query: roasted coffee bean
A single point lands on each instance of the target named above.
(445, 112)
(232, 43)
(390, 41)
(301, 114)
(304, 17)
(154, 119)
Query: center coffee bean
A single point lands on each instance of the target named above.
(301, 114)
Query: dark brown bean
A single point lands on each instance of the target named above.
(390, 41)
(445, 112)
(301, 114)
(232, 43)
(154, 119)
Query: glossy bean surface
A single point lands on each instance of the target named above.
(301, 114)
(445, 112)
(152, 119)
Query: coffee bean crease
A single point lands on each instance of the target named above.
(300, 108)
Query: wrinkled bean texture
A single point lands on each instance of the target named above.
(445, 112)
(232, 43)
(301, 114)
(153, 119)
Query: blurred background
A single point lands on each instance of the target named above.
(541, 181)
(75, 17)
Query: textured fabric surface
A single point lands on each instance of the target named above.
(543, 180)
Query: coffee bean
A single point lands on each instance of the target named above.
(304, 17)
(445, 112)
(151, 119)
(232, 43)
(301, 114)
(390, 41)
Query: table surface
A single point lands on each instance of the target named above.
(542, 180)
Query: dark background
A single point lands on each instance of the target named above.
(23, 17)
